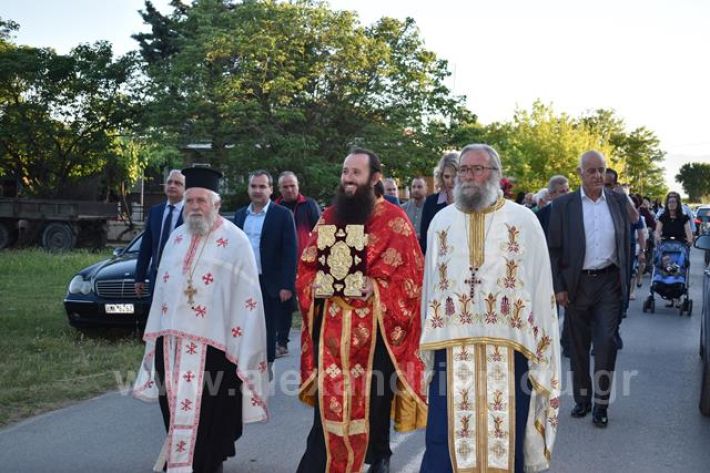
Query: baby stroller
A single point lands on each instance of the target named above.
(669, 278)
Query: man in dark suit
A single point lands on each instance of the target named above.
(588, 239)
(272, 233)
(162, 219)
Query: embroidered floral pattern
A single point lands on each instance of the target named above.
(362, 312)
(309, 254)
(542, 345)
(333, 371)
(464, 404)
(411, 288)
(497, 403)
(512, 246)
(463, 354)
(465, 316)
(465, 430)
(510, 281)
(397, 336)
(436, 320)
(392, 257)
(400, 226)
(361, 335)
(335, 406)
(357, 371)
(491, 316)
(443, 236)
(516, 321)
(443, 276)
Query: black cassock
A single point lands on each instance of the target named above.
(220, 410)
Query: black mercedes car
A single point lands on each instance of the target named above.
(103, 294)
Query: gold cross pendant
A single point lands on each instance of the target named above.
(190, 292)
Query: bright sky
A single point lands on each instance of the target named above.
(646, 59)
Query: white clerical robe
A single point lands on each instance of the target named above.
(206, 294)
(488, 292)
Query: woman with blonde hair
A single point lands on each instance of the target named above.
(445, 180)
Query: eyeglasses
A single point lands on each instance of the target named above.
(476, 169)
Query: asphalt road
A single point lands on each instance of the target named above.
(654, 422)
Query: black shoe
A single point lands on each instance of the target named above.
(599, 417)
(380, 466)
(581, 410)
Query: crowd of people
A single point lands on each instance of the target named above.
(440, 312)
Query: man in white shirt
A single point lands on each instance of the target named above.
(272, 233)
(588, 239)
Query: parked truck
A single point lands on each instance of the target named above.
(56, 225)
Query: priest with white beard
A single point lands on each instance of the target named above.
(205, 356)
(489, 331)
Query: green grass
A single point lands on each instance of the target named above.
(45, 362)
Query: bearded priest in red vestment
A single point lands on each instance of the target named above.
(359, 354)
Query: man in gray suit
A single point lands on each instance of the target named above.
(588, 240)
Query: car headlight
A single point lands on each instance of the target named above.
(79, 285)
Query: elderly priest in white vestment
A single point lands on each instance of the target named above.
(205, 356)
(490, 331)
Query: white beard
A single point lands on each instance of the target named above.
(470, 196)
(201, 225)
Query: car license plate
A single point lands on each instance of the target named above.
(120, 309)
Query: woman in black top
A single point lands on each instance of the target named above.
(673, 223)
(445, 177)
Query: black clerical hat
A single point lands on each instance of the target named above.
(202, 177)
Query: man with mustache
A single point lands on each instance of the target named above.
(359, 358)
(205, 356)
(490, 329)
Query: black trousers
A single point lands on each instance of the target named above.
(593, 315)
(274, 311)
(220, 409)
(284, 321)
(381, 396)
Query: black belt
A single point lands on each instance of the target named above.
(597, 272)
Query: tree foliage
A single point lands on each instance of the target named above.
(60, 114)
(695, 179)
(291, 85)
(539, 143)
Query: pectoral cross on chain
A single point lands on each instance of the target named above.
(473, 280)
(190, 292)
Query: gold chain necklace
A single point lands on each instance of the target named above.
(190, 291)
(474, 264)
